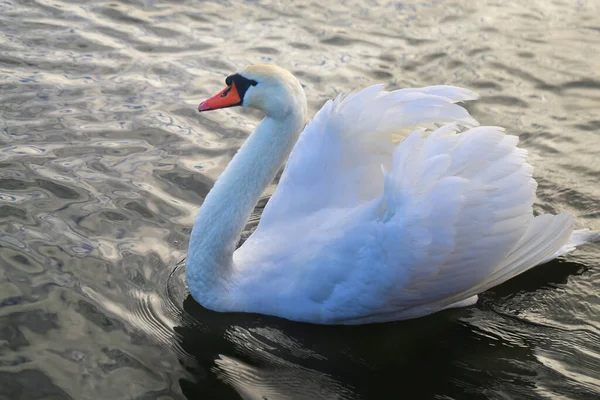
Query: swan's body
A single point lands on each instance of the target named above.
(361, 230)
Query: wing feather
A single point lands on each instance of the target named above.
(471, 194)
(338, 157)
(450, 216)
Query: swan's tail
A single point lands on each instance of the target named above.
(539, 244)
(578, 238)
(547, 237)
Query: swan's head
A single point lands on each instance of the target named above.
(268, 88)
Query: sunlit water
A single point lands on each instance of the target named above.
(104, 161)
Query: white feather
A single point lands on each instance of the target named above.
(450, 216)
(362, 230)
(341, 150)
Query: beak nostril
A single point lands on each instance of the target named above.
(228, 97)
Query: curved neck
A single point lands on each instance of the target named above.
(227, 207)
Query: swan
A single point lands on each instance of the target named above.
(360, 229)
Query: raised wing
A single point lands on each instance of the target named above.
(456, 218)
(337, 160)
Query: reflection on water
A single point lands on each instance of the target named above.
(104, 161)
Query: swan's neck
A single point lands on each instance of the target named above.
(226, 209)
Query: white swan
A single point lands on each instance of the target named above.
(340, 242)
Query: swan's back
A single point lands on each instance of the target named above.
(362, 230)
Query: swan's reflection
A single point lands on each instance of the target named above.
(462, 353)
(268, 358)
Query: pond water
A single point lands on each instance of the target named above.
(104, 161)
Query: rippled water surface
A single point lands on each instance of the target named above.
(104, 161)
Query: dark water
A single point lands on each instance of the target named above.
(104, 161)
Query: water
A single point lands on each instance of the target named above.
(104, 161)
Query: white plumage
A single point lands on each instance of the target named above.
(363, 230)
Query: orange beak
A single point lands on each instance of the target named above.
(227, 97)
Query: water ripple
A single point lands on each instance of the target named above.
(104, 161)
